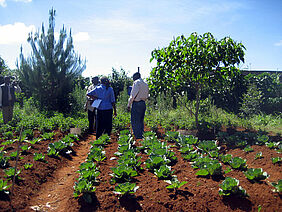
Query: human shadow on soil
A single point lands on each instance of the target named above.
(235, 202)
(130, 202)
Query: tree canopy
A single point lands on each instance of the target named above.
(50, 72)
(197, 61)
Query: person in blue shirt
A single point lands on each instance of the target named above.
(105, 109)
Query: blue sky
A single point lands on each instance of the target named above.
(123, 33)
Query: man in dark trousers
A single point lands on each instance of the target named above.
(139, 94)
(7, 98)
(91, 110)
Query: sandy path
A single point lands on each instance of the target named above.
(55, 193)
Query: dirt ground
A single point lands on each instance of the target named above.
(49, 186)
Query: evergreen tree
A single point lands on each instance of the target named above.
(50, 72)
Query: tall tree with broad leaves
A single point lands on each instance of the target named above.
(198, 61)
(50, 72)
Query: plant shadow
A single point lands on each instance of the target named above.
(130, 203)
(235, 203)
(85, 206)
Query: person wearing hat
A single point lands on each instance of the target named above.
(105, 102)
(7, 98)
(136, 102)
(91, 110)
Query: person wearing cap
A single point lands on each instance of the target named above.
(7, 98)
(104, 94)
(92, 112)
(136, 103)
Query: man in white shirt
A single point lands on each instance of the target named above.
(91, 110)
(139, 94)
(7, 98)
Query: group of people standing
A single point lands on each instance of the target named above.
(101, 106)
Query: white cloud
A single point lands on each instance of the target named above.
(15, 33)
(3, 3)
(24, 1)
(81, 36)
(278, 43)
(121, 29)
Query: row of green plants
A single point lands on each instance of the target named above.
(205, 157)
(25, 143)
(89, 170)
(160, 161)
(128, 166)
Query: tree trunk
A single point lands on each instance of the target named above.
(198, 96)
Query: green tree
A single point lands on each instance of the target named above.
(119, 81)
(50, 72)
(197, 61)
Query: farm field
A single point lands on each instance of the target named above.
(49, 186)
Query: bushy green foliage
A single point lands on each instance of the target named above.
(126, 188)
(256, 175)
(4, 186)
(277, 186)
(252, 100)
(230, 186)
(49, 74)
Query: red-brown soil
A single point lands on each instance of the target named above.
(49, 186)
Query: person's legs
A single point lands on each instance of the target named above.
(137, 118)
(91, 120)
(7, 113)
(108, 121)
(99, 123)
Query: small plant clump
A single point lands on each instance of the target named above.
(230, 186)
(255, 175)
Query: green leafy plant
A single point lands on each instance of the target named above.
(39, 157)
(126, 188)
(4, 186)
(186, 149)
(25, 148)
(184, 140)
(8, 135)
(277, 186)
(122, 173)
(28, 134)
(175, 184)
(85, 187)
(10, 172)
(47, 136)
(262, 139)
(255, 175)
(191, 156)
(164, 172)
(28, 165)
(8, 142)
(225, 158)
(171, 136)
(230, 186)
(238, 163)
(4, 160)
(276, 160)
(248, 149)
(155, 162)
(258, 155)
(187, 62)
(96, 154)
(207, 166)
(34, 141)
(89, 171)
(272, 145)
